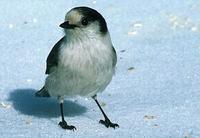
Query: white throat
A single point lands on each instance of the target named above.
(86, 51)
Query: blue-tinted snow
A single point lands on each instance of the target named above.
(158, 97)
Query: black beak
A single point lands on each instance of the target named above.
(66, 25)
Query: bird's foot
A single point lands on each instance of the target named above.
(64, 125)
(108, 123)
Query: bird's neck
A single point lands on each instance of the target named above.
(85, 37)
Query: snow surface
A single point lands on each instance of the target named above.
(154, 94)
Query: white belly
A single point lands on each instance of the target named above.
(82, 70)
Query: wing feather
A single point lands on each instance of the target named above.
(114, 57)
(52, 59)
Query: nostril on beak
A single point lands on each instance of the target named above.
(66, 25)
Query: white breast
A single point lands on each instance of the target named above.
(85, 68)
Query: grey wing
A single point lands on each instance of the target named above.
(52, 59)
(114, 57)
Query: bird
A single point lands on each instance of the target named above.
(82, 62)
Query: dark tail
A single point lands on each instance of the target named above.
(42, 93)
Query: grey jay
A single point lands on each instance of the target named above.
(82, 62)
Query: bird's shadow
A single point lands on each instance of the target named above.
(24, 101)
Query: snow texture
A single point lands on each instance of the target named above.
(154, 94)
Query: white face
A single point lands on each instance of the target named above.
(83, 26)
(74, 17)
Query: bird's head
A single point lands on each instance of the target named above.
(84, 21)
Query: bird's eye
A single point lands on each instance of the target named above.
(84, 22)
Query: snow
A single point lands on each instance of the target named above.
(156, 89)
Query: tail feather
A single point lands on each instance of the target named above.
(42, 93)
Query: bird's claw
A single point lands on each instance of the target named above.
(64, 125)
(108, 123)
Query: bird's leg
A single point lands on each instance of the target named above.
(107, 121)
(63, 123)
